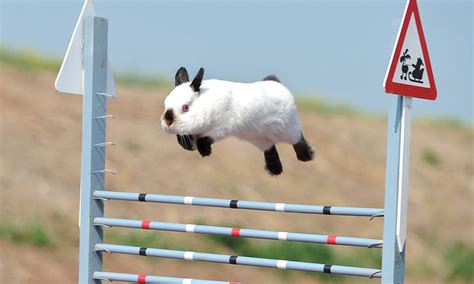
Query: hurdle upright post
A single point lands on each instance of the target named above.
(93, 155)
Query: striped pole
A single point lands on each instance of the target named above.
(238, 232)
(142, 279)
(239, 204)
(240, 260)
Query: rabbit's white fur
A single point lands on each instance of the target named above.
(263, 112)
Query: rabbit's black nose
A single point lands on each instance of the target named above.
(169, 117)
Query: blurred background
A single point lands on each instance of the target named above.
(332, 54)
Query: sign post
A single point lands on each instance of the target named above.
(409, 75)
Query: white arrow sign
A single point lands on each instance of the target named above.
(70, 77)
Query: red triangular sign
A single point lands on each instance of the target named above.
(409, 72)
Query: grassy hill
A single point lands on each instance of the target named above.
(40, 147)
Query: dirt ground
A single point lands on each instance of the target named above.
(40, 154)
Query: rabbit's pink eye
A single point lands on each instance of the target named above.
(185, 108)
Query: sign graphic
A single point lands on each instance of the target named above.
(409, 72)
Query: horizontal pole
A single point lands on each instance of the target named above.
(239, 204)
(240, 260)
(238, 232)
(143, 278)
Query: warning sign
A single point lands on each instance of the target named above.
(409, 72)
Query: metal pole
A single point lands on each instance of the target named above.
(396, 191)
(241, 260)
(238, 232)
(93, 134)
(142, 278)
(240, 204)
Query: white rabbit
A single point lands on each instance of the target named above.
(262, 113)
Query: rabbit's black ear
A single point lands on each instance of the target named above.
(196, 83)
(181, 76)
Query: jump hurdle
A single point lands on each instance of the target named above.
(240, 260)
(142, 278)
(239, 204)
(89, 74)
(238, 232)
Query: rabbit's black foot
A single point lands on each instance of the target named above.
(272, 161)
(304, 151)
(204, 146)
(186, 141)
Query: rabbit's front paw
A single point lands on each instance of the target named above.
(204, 145)
(186, 141)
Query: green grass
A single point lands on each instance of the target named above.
(459, 257)
(31, 233)
(431, 158)
(133, 147)
(57, 214)
(320, 106)
(29, 60)
(143, 81)
(447, 122)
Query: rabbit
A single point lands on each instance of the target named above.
(262, 113)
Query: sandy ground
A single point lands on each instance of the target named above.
(40, 169)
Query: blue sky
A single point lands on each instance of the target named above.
(337, 50)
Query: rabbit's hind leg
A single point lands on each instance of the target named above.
(272, 161)
(304, 151)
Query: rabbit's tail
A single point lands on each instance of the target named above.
(271, 78)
